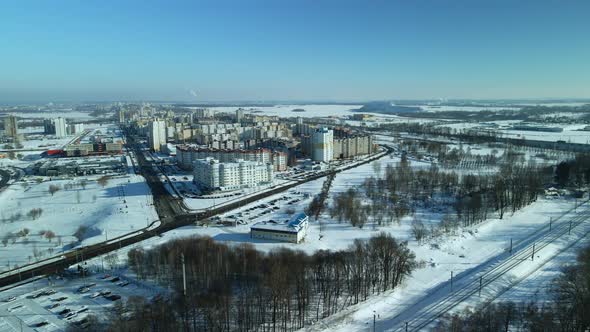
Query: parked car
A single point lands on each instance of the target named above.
(40, 324)
(64, 312)
(113, 297)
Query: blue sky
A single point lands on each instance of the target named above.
(293, 50)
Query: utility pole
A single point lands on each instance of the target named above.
(510, 246)
(480, 283)
(183, 274)
(374, 321)
(550, 222)
(451, 281)
(406, 326)
(533, 254)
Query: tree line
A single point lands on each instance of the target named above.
(472, 197)
(238, 288)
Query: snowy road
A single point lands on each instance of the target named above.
(495, 275)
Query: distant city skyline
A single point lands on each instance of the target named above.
(344, 51)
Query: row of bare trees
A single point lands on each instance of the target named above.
(240, 288)
(473, 197)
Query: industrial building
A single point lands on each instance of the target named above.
(211, 174)
(294, 230)
(78, 166)
(93, 143)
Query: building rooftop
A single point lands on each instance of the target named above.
(293, 225)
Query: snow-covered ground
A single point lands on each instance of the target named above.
(570, 134)
(120, 207)
(464, 255)
(536, 287)
(52, 114)
(285, 111)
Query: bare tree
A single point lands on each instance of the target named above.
(49, 235)
(80, 233)
(53, 189)
(103, 181)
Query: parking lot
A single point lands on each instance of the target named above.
(54, 304)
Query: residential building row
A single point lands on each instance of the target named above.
(186, 155)
(211, 174)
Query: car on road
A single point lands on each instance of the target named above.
(40, 324)
(9, 299)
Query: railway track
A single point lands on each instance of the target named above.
(472, 284)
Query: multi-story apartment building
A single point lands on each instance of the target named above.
(345, 144)
(156, 134)
(11, 126)
(322, 145)
(211, 174)
(186, 155)
(61, 127)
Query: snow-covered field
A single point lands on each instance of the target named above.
(285, 111)
(467, 253)
(120, 207)
(570, 134)
(52, 114)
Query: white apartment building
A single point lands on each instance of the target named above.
(186, 155)
(239, 115)
(75, 128)
(156, 134)
(322, 145)
(202, 113)
(214, 175)
(11, 126)
(61, 127)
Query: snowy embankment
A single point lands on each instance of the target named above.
(467, 256)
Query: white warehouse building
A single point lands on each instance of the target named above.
(211, 174)
(322, 142)
(293, 230)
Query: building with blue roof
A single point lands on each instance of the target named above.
(293, 230)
